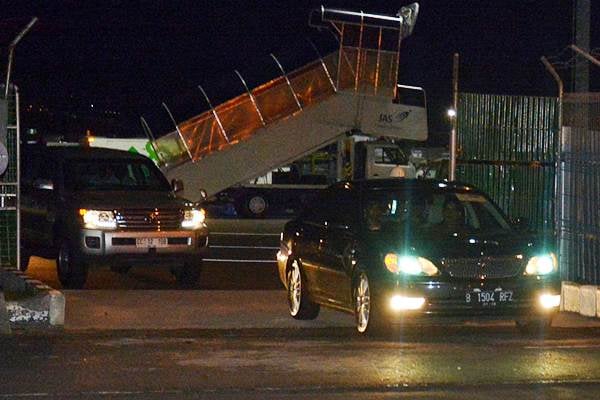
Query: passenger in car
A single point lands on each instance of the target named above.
(453, 215)
(374, 215)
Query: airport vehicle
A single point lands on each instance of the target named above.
(89, 207)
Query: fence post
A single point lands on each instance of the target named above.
(453, 144)
(558, 175)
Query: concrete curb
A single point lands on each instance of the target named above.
(598, 302)
(4, 325)
(581, 299)
(29, 302)
(587, 300)
(569, 298)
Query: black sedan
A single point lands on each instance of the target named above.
(392, 250)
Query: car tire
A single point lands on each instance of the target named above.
(299, 305)
(24, 260)
(255, 205)
(72, 273)
(367, 313)
(534, 326)
(188, 274)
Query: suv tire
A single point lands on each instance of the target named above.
(72, 273)
(24, 260)
(188, 274)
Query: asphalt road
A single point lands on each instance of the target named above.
(433, 362)
(215, 275)
(326, 362)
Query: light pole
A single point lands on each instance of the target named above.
(452, 114)
(581, 38)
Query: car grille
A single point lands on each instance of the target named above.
(484, 267)
(149, 219)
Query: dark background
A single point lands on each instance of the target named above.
(125, 58)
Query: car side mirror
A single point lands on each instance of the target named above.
(177, 185)
(203, 195)
(43, 184)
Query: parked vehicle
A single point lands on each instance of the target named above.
(88, 207)
(283, 192)
(393, 250)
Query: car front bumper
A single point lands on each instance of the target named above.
(516, 298)
(142, 247)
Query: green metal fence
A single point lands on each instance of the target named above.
(507, 148)
(578, 216)
(9, 181)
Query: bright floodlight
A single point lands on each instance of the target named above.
(451, 112)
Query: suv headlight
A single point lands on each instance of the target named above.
(193, 219)
(543, 264)
(98, 219)
(409, 265)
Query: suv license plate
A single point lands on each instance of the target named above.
(488, 298)
(151, 242)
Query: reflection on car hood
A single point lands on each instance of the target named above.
(125, 199)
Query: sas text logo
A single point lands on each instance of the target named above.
(393, 118)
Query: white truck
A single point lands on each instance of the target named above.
(283, 191)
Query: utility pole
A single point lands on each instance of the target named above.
(581, 38)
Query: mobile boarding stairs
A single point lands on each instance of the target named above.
(280, 121)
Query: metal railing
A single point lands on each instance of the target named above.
(9, 184)
(367, 61)
(238, 118)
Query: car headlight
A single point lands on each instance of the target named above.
(98, 219)
(409, 265)
(543, 264)
(193, 219)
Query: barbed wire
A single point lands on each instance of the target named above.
(567, 58)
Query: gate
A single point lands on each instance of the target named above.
(578, 222)
(507, 148)
(9, 178)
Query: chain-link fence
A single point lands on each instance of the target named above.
(507, 148)
(9, 180)
(510, 146)
(578, 216)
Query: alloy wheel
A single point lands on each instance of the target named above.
(363, 303)
(294, 288)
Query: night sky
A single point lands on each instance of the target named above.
(126, 58)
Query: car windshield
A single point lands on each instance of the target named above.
(114, 174)
(437, 213)
(389, 156)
